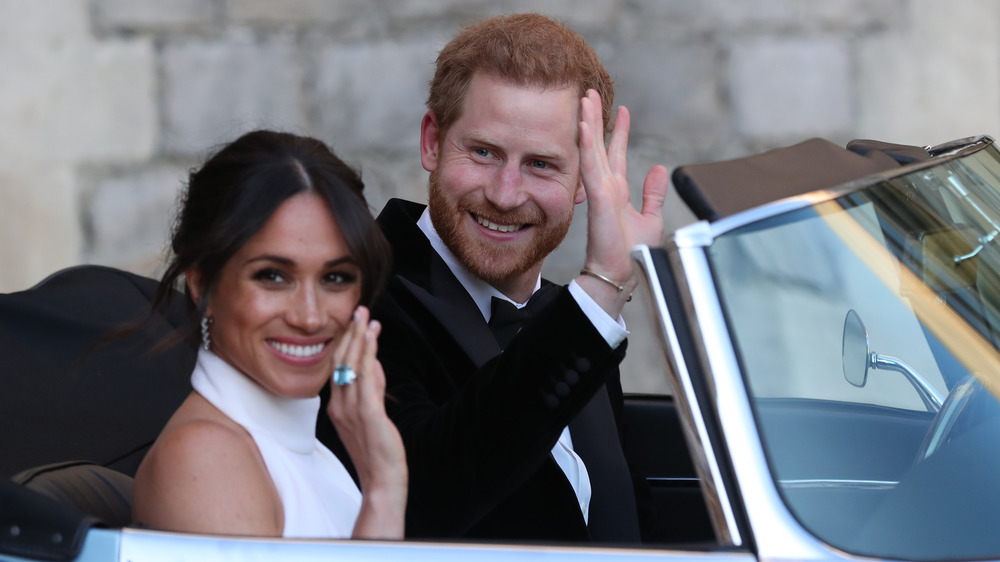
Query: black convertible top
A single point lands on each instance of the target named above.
(64, 395)
(718, 189)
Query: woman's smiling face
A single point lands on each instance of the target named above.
(284, 299)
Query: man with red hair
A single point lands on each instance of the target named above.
(515, 436)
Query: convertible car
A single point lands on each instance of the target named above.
(830, 325)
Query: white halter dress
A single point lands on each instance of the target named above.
(319, 497)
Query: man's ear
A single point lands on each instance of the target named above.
(581, 193)
(192, 277)
(430, 141)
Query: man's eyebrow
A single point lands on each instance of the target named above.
(478, 137)
(548, 156)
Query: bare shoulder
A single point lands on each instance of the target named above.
(204, 474)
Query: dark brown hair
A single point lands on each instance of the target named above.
(232, 196)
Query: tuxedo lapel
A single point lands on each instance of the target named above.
(612, 503)
(463, 321)
(422, 272)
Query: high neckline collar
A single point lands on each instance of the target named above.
(291, 421)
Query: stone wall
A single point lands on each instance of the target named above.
(105, 104)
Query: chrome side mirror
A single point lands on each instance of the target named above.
(857, 358)
(855, 350)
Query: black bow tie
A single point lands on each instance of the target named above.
(506, 318)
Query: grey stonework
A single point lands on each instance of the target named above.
(106, 104)
(213, 89)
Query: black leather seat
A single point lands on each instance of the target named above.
(66, 393)
(84, 486)
(72, 389)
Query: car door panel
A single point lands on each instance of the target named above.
(655, 445)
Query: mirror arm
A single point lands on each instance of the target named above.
(975, 251)
(932, 400)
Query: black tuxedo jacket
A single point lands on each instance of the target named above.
(479, 425)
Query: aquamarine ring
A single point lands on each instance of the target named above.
(343, 375)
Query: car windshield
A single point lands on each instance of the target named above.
(866, 327)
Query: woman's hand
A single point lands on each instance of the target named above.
(357, 411)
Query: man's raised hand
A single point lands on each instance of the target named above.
(613, 224)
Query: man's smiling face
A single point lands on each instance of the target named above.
(505, 178)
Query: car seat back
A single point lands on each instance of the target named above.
(89, 488)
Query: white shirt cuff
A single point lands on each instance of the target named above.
(612, 329)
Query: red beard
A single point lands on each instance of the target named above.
(493, 261)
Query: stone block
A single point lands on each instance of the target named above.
(709, 15)
(298, 12)
(854, 14)
(33, 54)
(674, 18)
(791, 87)
(671, 90)
(927, 84)
(666, 20)
(373, 95)
(40, 231)
(68, 98)
(581, 15)
(129, 214)
(116, 115)
(467, 10)
(153, 15)
(216, 89)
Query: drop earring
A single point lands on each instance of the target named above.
(206, 337)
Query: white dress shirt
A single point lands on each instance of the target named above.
(613, 331)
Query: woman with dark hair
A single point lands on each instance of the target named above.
(281, 259)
